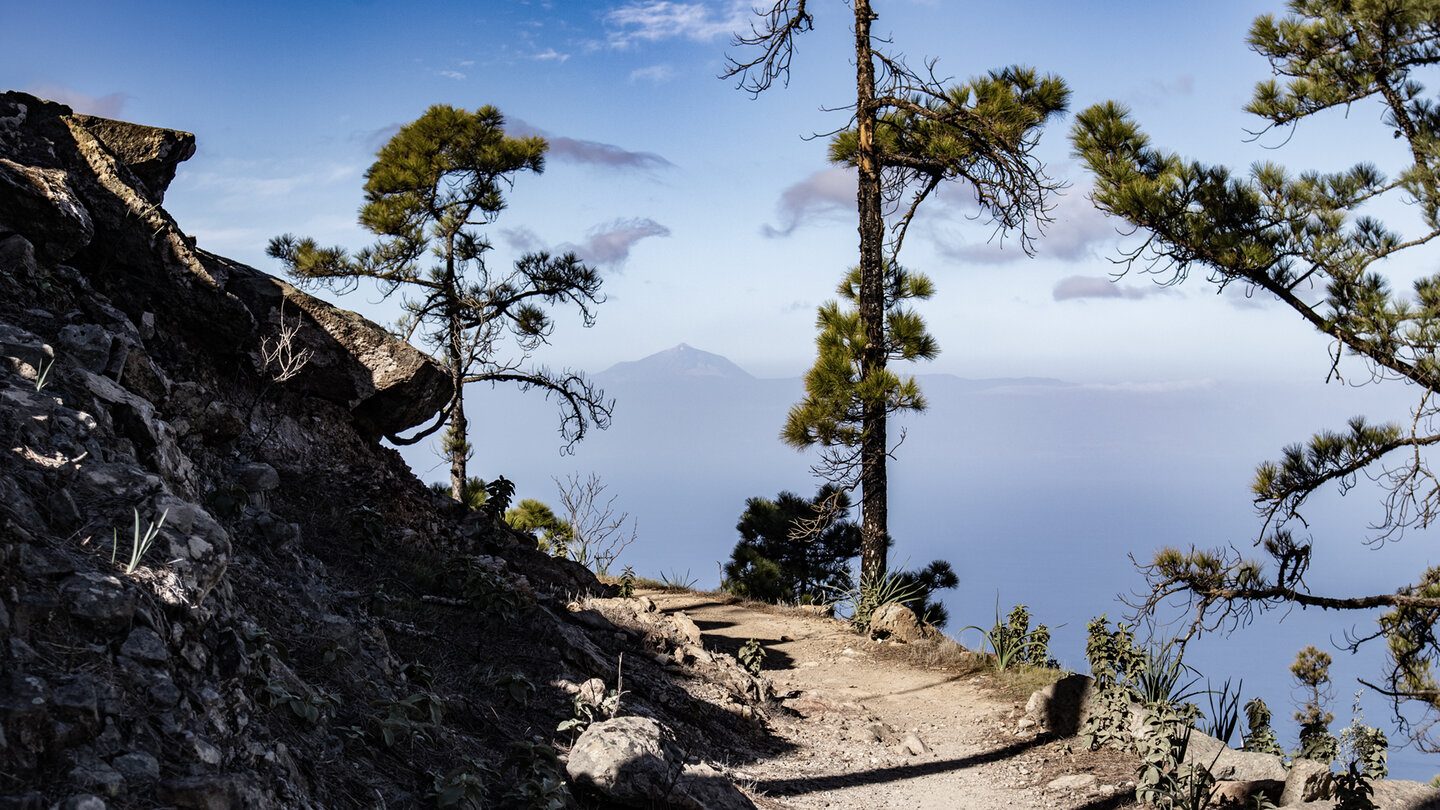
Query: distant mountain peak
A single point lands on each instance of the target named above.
(682, 361)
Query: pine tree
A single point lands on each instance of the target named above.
(432, 187)
(793, 550)
(1308, 240)
(911, 134)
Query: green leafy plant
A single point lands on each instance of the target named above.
(139, 542)
(410, 718)
(1163, 778)
(1366, 748)
(309, 707)
(752, 657)
(1012, 641)
(463, 788)
(1261, 737)
(517, 686)
(497, 496)
(539, 781)
(627, 583)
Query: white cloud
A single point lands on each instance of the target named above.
(106, 106)
(452, 74)
(550, 55)
(654, 20)
(655, 74)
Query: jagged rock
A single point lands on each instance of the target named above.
(257, 476)
(896, 622)
(144, 645)
(1062, 707)
(687, 628)
(85, 801)
(1308, 781)
(39, 204)
(138, 768)
(150, 153)
(385, 382)
(87, 344)
(636, 762)
(100, 598)
(92, 773)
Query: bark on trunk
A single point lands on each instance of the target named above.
(873, 485)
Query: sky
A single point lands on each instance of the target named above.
(716, 221)
(713, 216)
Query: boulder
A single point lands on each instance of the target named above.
(1309, 781)
(634, 761)
(387, 384)
(1402, 794)
(1227, 764)
(1062, 707)
(896, 622)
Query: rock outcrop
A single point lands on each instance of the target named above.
(217, 589)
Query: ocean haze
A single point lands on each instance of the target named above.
(1037, 490)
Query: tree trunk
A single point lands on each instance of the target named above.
(874, 496)
(455, 439)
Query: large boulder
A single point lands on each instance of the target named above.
(387, 384)
(1062, 707)
(895, 622)
(636, 762)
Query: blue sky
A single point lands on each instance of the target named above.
(714, 217)
(716, 222)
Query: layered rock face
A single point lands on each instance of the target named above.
(217, 589)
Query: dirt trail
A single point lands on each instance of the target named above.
(869, 731)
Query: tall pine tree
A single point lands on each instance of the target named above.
(909, 135)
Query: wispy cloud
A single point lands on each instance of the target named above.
(550, 55)
(608, 243)
(1076, 229)
(654, 20)
(1074, 288)
(611, 242)
(452, 74)
(106, 106)
(590, 152)
(655, 74)
(825, 193)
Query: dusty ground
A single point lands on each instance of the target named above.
(873, 732)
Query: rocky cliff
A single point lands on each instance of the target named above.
(310, 626)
